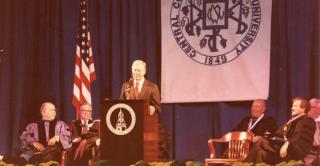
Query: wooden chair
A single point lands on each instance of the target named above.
(238, 148)
(95, 150)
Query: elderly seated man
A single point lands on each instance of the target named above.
(43, 141)
(85, 136)
(258, 123)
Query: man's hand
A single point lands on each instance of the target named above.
(152, 110)
(53, 140)
(38, 146)
(98, 141)
(76, 140)
(256, 138)
(283, 150)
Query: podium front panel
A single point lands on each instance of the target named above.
(122, 137)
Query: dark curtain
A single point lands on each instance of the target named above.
(39, 42)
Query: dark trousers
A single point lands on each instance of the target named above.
(54, 155)
(265, 151)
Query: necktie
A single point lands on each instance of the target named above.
(136, 90)
(46, 125)
(85, 128)
(251, 123)
(253, 120)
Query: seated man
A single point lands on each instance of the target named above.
(290, 142)
(258, 123)
(85, 136)
(313, 157)
(44, 140)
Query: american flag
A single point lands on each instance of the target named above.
(84, 73)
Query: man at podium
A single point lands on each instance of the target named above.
(134, 130)
(139, 88)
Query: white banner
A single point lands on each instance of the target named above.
(215, 50)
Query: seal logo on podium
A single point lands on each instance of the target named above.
(120, 119)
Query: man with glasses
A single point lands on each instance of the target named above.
(85, 136)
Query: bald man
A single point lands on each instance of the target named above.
(44, 140)
(258, 123)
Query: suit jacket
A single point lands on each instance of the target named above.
(266, 123)
(149, 93)
(300, 134)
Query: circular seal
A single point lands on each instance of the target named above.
(120, 127)
(214, 32)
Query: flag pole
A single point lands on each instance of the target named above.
(84, 64)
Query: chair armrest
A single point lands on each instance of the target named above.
(211, 148)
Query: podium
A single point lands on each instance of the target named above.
(128, 132)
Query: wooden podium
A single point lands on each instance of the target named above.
(128, 132)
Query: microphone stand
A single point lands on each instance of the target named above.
(127, 88)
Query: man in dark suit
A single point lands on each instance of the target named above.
(258, 122)
(140, 88)
(84, 136)
(290, 142)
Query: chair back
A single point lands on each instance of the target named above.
(238, 144)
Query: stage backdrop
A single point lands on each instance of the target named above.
(39, 41)
(215, 50)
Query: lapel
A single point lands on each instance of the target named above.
(143, 88)
(79, 127)
(290, 126)
(132, 92)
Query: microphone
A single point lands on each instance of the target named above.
(131, 81)
(127, 88)
(1, 51)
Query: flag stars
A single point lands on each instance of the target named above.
(83, 35)
(83, 19)
(83, 27)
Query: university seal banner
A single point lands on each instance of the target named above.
(215, 50)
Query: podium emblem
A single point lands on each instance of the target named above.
(120, 116)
